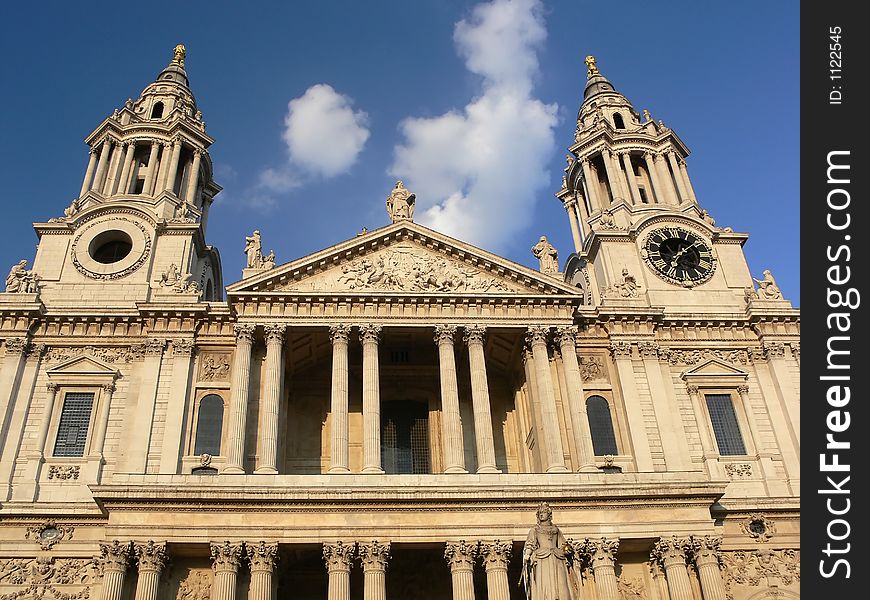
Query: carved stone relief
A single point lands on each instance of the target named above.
(631, 589)
(758, 526)
(592, 368)
(64, 472)
(761, 567)
(691, 357)
(40, 575)
(48, 533)
(196, 586)
(214, 366)
(105, 354)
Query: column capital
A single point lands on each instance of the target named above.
(226, 557)
(183, 347)
(460, 555)
(244, 333)
(275, 332)
(648, 349)
(537, 335)
(445, 334)
(474, 334)
(705, 549)
(151, 555)
(115, 556)
(93, 151)
(570, 202)
(262, 556)
(774, 349)
(671, 551)
(339, 333)
(154, 347)
(495, 555)
(52, 387)
(693, 389)
(338, 556)
(370, 333)
(374, 555)
(743, 388)
(601, 551)
(17, 345)
(566, 336)
(620, 349)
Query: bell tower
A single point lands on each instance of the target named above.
(136, 231)
(641, 237)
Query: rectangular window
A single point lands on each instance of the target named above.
(725, 426)
(72, 430)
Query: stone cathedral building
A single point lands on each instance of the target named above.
(382, 418)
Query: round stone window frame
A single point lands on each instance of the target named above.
(87, 266)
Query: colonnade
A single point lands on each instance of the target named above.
(112, 167)
(446, 337)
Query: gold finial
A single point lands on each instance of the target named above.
(179, 53)
(593, 69)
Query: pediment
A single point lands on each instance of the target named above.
(715, 367)
(404, 258)
(82, 366)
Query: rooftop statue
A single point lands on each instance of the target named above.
(400, 203)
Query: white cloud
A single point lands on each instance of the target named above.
(323, 133)
(477, 171)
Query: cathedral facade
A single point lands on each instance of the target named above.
(390, 417)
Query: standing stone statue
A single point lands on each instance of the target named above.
(400, 203)
(254, 250)
(547, 254)
(545, 566)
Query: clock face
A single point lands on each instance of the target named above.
(679, 256)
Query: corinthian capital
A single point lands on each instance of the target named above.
(601, 551)
(370, 333)
(495, 555)
(115, 556)
(275, 333)
(445, 334)
(620, 349)
(474, 334)
(460, 555)
(648, 349)
(226, 557)
(151, 555)
(566, 336)
(671, 550)
(338, 556)
(262, 556)
(339, 333)
(374, 555)
(705, 549)
(244, 333)
(537, 335)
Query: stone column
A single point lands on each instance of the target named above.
(102, 423)
(571, 207)
(451, 421)
(602, 557)
(675, 169)
(610, 166)
(261, 558)
(124, 181)
(172, 170)
(374, 559)
(708, 447)
(151, 174)
(369, 335)
(705, 551)
(183, 350)
(339, 335)
(165, 152)
(636, 427)
(11, 370)
(140, 430)
(666, 180)
(496, 556)
(566, 337)
(764, 455)
(782, 379)
(632, 180)
(45, 421)
(152, 558)
(338, 559)
(671, 553)
(537, 339)
(114, 167)
(226, 558)
(103, 165)
(193, 177)
(686, 181)
(272, 396)
(114, 559)
(460, 556)
(480, 400)
(239, 399)
(591, 185)
(659, 192)
(89, 173)
(675, 446)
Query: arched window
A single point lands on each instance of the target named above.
(157, 110)
(617, 121)
(725, 426)
(405, 437)
(601, 426)
(209, 424)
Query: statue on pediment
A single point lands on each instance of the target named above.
(254, 250)
(767, 288)
(400, 203)
(547, 254)
(21, 280)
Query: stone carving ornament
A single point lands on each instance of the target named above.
(759, 527)
(627, 288)
(64, 472)
(41, 574)
(48, 533)
(214, 367)
(180, 284)
(751, 568)
(21, 280)
(105, 354)
(738, 470)
(691, 357)
(591, 367)
(197, 586)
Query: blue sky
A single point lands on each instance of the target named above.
(317, 108)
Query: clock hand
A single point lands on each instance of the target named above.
(680, 252)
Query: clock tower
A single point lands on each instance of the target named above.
(639, 230)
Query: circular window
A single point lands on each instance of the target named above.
(110, 247)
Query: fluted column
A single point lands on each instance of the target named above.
(338, 557)
(114, 559)
(193, 177)
(451, 421)
(114, 165)
(537, 340)
(671, 553)
(666, 179)
(610, 166)
(651, 168)
(338, 456)
(571, 207)
(124, 181)
(591, 185)
(460, 556)
(686, 181)
(89, 172)
(165, 152)
(708, 447)
(678, 179)
(602, 557)
(633, 410)
(45, 421)
(151, 557)
(226, 558)
(151, 173)
(480, 400)
(374, 557)
(103, 165)
(566, 337)
(369, 336)
(496, 556)
(272, 395)
(630, 177)
(261, 558)
(239, 399)
(705, 551)
(172, 171)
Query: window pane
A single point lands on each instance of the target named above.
(601, 426)
(72, 431)
(209, 424)
(404, 437)
(725, 427)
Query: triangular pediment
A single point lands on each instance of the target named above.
(715, 367)
(82, 365)
(404, 258)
